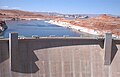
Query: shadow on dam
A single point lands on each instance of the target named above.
(4, 50)
(24, 59)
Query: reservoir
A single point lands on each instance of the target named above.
(28, 28)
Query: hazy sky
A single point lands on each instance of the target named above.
(65, 6)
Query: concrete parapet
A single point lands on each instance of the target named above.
(13, 49)
(108, 48)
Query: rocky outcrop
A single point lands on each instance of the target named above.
(3, 27)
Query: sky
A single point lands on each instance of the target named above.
(65, 6)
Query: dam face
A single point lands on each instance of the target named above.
(59, 57)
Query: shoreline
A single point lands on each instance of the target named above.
(81, 29)
(78, 28)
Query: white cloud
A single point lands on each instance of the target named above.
(7, 7)
(3, 7)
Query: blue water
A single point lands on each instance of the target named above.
(35, 27)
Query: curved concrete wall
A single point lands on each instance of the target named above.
(71, 61)
(58, 57)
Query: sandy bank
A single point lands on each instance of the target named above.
(78, 28)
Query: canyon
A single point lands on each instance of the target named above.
(94, 25)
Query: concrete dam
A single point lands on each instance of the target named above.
(59, 57)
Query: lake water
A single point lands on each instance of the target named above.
(40, 28)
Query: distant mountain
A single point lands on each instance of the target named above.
(4, 13)
(19, 14)
(15, 12)
(47, 13)
(67, 15)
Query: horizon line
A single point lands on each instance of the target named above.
(58, 12)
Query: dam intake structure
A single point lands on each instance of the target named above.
(59, 57)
